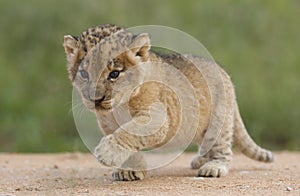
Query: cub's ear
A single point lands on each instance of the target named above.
(139, 48)
(71, 49)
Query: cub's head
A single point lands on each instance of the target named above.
(101, 58)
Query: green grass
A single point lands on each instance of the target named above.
(256, 41)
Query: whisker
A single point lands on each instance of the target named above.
(82, 111)
(75, 106)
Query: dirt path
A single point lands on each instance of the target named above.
(80, 174)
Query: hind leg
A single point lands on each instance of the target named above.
(215, 167)
(132, 169)
(198, 161)
(220, 154)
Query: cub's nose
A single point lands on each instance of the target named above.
(98, 101)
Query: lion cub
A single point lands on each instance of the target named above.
(107, 57)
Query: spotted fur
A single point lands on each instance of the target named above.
(106, 48)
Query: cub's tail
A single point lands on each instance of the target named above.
(247, 146)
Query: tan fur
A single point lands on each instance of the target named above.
(113, 48)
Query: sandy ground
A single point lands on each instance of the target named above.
(81, 174)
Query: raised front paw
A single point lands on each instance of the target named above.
(110, 153)
(214, 168)
(128, 175)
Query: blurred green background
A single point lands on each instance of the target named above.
(258, 43)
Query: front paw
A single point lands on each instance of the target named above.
(129, 175)
(110, 153)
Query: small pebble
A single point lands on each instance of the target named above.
(244, 172)
(246, 187)
(289, 188)
(86, 191)
(197, 178)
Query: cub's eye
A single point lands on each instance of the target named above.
(84, 74)
(114, 74)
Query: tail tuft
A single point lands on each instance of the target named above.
(266, 156)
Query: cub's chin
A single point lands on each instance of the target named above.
(104, 105)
